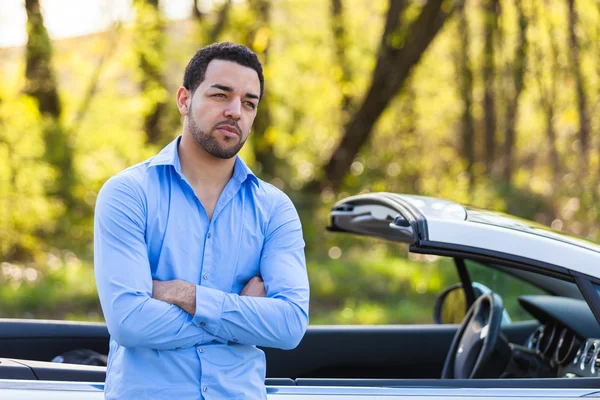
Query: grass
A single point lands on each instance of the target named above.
(364, 283)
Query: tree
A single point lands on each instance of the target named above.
(401, 48)
(258, 39)
(340, 42)
(149, 48)
(548, 90)
(211, 33)
(512, 107)
(582, 101)
(41, 84)
(491, 11)
(465, 79)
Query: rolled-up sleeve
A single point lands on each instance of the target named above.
(123, 275)
(279, 319)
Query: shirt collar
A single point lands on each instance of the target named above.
(170, 156)
(241, 172)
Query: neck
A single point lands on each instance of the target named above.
(201, 168)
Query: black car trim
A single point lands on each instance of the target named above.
(465, 278)
(419, 224)
(528, 383)
(407, 210)
(574, 314)
(486, 255)
(589, 292)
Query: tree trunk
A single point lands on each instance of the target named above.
(42, 85)
(41, 81)
(584, 119)
(413, 177)
(512, 107)
(401, 49)
(210, 34)
(221, 21)
(263, 144)
(150, 53)
(548, 92)
(340, 42)
(465, 80)
(199, 15)
(489, 73)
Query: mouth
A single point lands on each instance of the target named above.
(228, 131)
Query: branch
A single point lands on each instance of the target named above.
(92, 87)
(199, 15)
(220, 24)
(340, 42)
(401, 49)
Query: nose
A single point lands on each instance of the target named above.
(233, 109)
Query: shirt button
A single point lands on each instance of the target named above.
(177, 348)
(205, 276)
(235, 340)
(209, 235)
(205, 389)
(201, 350)
(202, 324)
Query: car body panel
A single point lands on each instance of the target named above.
(37, 390)
(445, 223)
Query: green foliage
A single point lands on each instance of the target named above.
(57, 286)
(26, 212)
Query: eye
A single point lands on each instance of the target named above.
(220, 95)
(251, 105)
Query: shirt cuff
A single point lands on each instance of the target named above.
(209, 306)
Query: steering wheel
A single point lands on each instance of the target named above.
(478, 350)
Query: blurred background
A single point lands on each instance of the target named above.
(488, 102)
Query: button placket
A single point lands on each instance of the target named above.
(208, 256)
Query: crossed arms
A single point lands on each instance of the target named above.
(183, 294)
(143, 313)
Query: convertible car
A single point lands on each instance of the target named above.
(553, 352)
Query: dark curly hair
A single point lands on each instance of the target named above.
(227, 51)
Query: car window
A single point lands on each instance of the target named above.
(507, 286)
(374, 284)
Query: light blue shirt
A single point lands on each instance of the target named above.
(149, 225)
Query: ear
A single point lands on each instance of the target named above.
(184, 98)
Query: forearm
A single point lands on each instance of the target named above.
(141, 321)
(176, 292)
(260, 321)
(123, 275)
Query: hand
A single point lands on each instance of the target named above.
(177, 292)
(255, 287)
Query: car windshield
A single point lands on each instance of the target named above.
(509, 287)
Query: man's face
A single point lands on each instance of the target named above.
(223, 108)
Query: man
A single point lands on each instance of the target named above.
(197, 261)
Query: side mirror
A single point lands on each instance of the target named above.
(451, 305)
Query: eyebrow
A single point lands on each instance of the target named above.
(230, 89)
